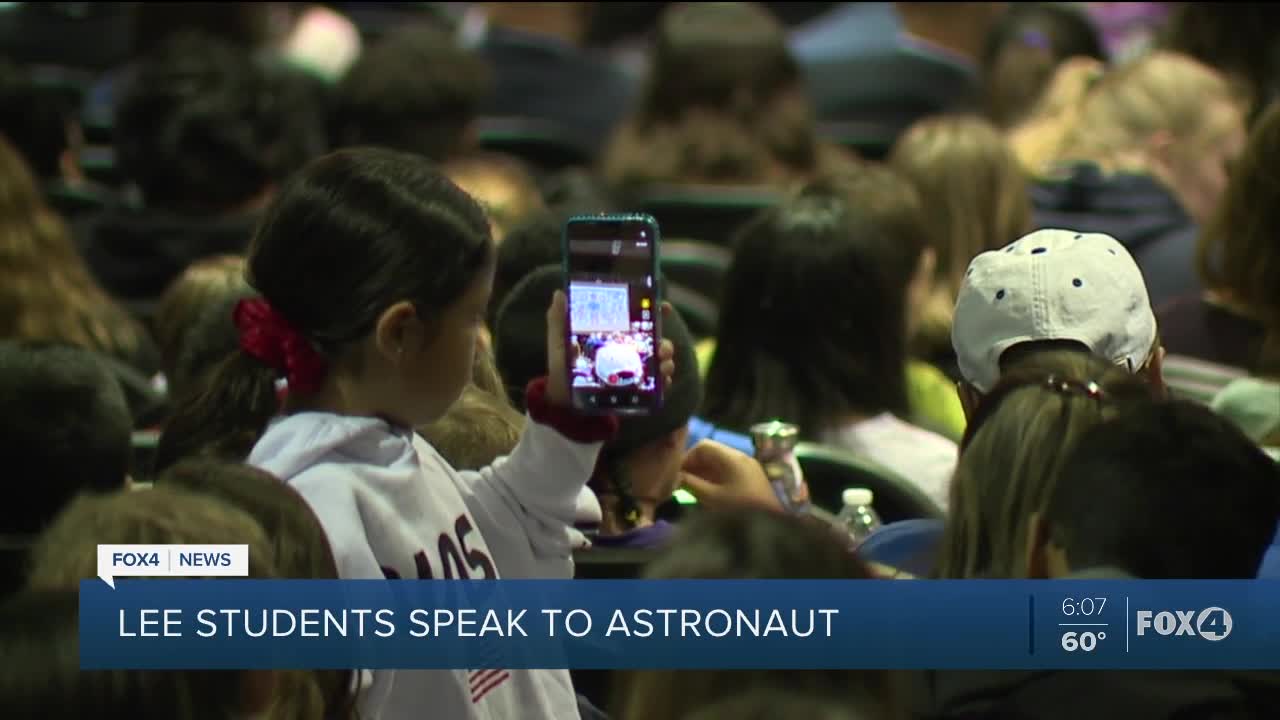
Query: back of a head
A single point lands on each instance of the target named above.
(756, 545)
(751, 545)
(36, 120)
(298, 541)
(1238, 251)
(528, 246)
(67, 552)
(347, 237)
(972, 186)
(40, 641)
(718, 107)
(246, 26)
(697, 64)
(478, 429)
(1166, 490)
(811, 325)
(577, 191)
(888, 199)
(197, 128)
(46, 289)
(1160, 91)
(1013, 450)
(1023, 50)
(65, 428)
(202, 284)
(298, 546)
(415, 90)
(500, 183)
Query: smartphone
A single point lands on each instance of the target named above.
(615, 319)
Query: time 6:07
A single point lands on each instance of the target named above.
(1083, 606)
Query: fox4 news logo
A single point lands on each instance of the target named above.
(1213, 623)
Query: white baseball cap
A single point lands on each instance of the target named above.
(1052, 285)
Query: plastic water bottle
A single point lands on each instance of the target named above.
(857, 516)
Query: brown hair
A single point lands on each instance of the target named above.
(202, 284)
(67, 553)
(718, 107)
(301, 551)
(1013, 452)
(976, 199)
(46, 290)
(753, 545)
(1239, 252)
(1023, 50)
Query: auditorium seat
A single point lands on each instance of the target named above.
(710, 214)
(868, 138)
(544, 146)
(829, 471)
(695, 264)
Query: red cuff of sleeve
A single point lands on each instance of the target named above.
(577, 427)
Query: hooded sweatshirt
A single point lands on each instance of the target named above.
(1134, 209)
(392, 507)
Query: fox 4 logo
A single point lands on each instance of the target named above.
(1213, 623)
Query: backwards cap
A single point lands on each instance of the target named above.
(1052, 285)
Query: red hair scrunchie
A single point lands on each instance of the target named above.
(266, 336)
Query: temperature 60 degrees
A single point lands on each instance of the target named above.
(1086, 641)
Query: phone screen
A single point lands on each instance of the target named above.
(614, 314)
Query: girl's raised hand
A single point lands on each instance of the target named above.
(558, 359)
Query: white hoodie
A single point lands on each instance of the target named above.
(391, 506)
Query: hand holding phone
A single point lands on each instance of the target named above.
(614, 314)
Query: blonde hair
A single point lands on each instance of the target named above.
(501, 184)
(46, 290)
(1159, 91)
(1036, 140)
(975, 197)
(482, 425)
(202, 284)
(1015, 449)
(478, 429)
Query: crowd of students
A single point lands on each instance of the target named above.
(1052, 306)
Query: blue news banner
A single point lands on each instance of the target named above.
(991, 624)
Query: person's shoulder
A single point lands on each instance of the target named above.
(928, 439)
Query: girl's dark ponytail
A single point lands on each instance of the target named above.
(229, 416)
(225, 417)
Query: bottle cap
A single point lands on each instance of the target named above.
(774, 436)
(857, 496)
